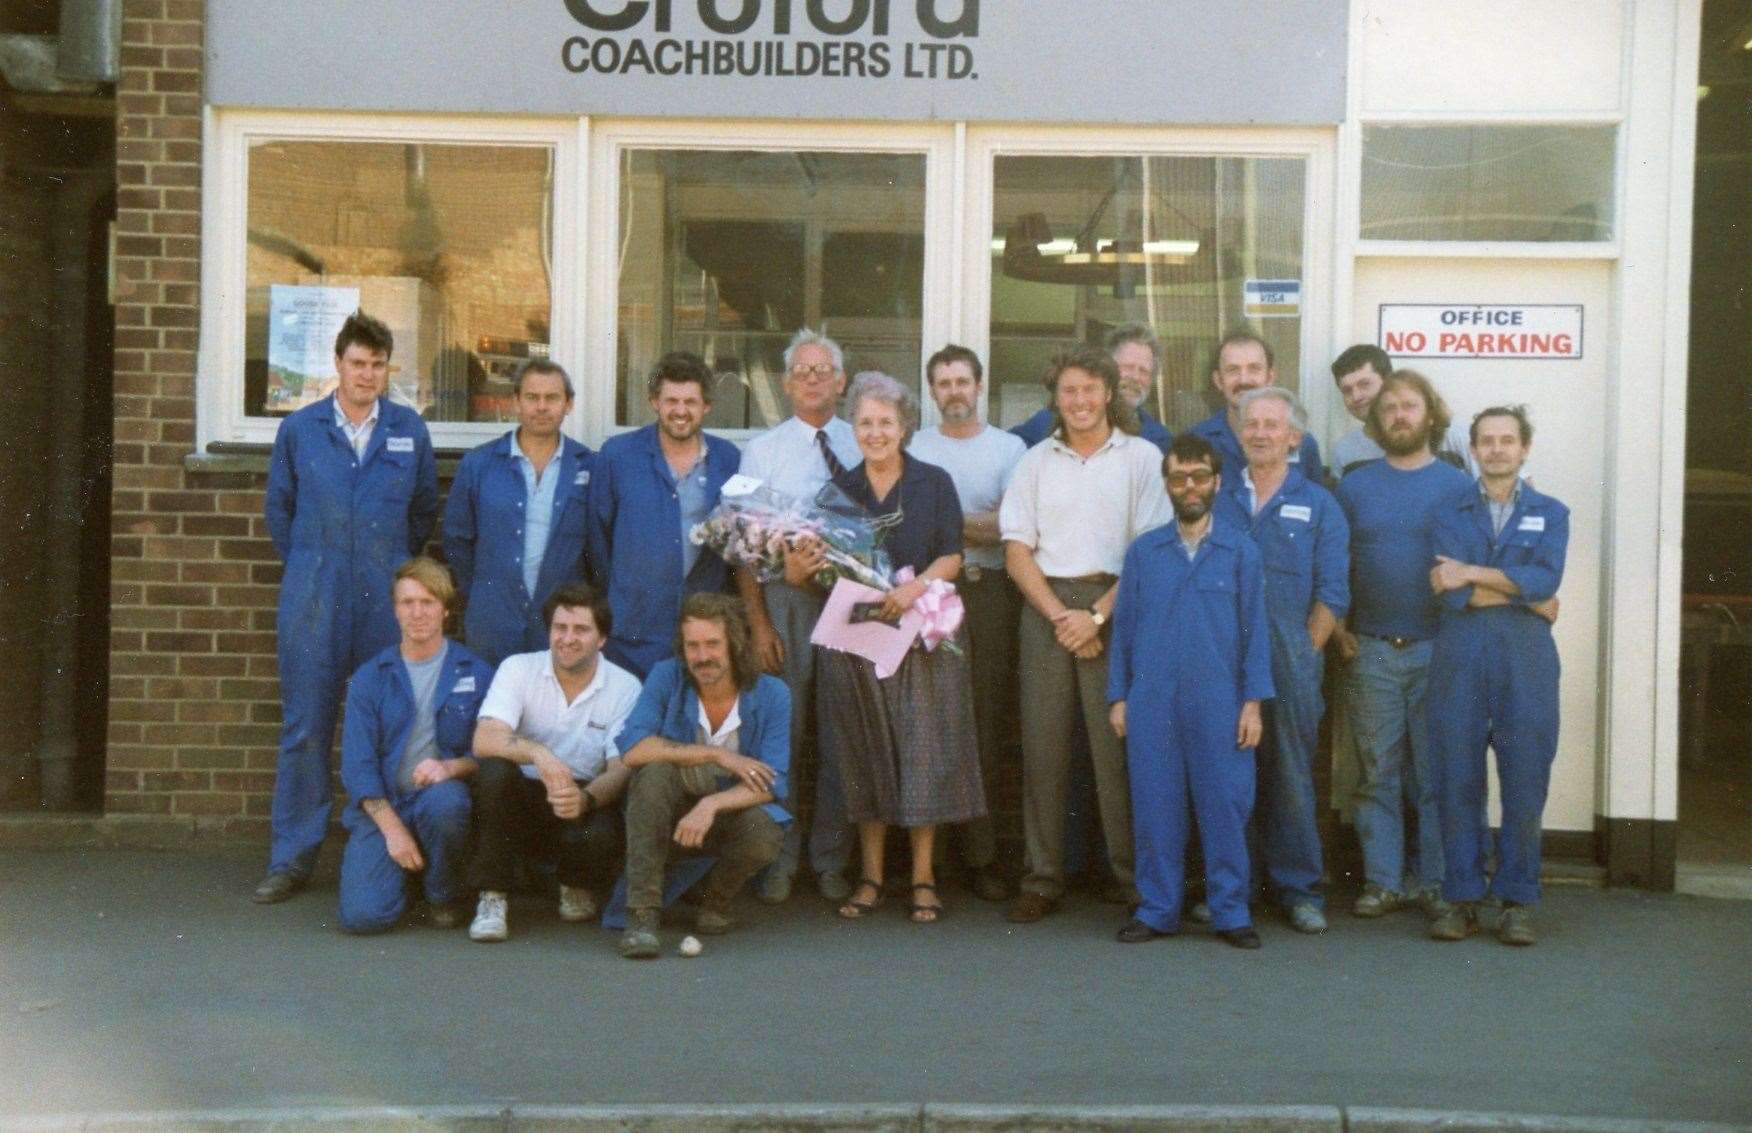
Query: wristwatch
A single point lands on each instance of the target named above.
(1099, 618)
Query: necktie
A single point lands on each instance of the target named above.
(834, 467)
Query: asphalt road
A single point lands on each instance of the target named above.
(134, 981)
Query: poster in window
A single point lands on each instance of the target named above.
(302, 324)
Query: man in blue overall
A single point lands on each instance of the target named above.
(1138, 354)
(1494, 675)
(651, 488)
(514, 522)
(1191, 663)
(1301, 533)
(352, 492)
(1244, 361)
(405, 751)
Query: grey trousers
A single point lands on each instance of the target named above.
(743, 841)
(1054, 686)
(794, 612)
(992, 605)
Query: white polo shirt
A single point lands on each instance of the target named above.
(526, 695)
(1080, 514)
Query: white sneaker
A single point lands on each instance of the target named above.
(576, 904)
(489, 919)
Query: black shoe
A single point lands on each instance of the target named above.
(276, 887)
(988, 884)
(1136, 932)
(1243, 937)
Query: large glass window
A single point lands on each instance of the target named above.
(1193, 246)
(1534, 183)
(449, 244)
(727, 253)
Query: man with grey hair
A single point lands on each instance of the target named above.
(1304, 539)
(1138, 353)
(797, 457)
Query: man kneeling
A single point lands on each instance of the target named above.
(694, 790)
(550, 774)
(404, 753)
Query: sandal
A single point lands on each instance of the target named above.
(855, 909)
(925, 914)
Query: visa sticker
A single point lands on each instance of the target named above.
(464, 684)
(399, 444)
(1297, 511)
(1532, 523)
(739, 485)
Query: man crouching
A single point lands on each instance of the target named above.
(708, 744)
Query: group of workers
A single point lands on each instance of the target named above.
(1151, 612)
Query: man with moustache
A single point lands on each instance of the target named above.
(1500, 552)
(514, 522)
(709, 749)
(1138, 354)
(1075, 503)
(1244, 361)
(796, 458)
(980, 459)
(1191, 665)
(1305, 544)
(550, 774)
(404, 761)
(1392, 506)
(1358, 372)
(650, 489)
(352, 492)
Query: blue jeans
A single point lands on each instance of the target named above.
(1386, 689)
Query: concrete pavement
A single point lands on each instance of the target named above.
(142, 983)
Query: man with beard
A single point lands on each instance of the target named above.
(980, 459)
(550, 774)
(1392, 505)
(709, 749)
(514, 522)
(1302, 536)
(1138, 354)
(1494, 675)
(651, 488)
(1244, 361)
(1191, 664)
(1075, 503)
(796, 457)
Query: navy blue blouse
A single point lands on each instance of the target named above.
(930, 512)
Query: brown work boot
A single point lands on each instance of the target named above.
(640, 940)
(1031, 907)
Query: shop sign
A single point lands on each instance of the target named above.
(1271, 298)
(1481, 330)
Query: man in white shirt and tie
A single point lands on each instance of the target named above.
(797, 457)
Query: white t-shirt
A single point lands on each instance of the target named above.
(1080, 514)
(981, 466)
(527, 696)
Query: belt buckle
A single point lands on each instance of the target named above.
(972, 572)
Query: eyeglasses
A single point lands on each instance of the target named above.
(818, 371)
(1200, 479)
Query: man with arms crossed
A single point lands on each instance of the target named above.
(404, 758)
(1494, 675)
(708, 746)
(1138, 354)
(550, 774)
(980, 459)
(796, 457)
(1075, 503)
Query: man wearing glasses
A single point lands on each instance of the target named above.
(796, 457)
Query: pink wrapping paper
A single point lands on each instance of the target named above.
(934, 617)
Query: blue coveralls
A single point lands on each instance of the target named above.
(1303, 536)
(483, 541)
(635, 542)
(380, 716)
(1035, 429)
(1215, 429)
(1494, 682)
(342, 526)
(1190, 645)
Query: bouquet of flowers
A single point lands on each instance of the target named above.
(752, 528)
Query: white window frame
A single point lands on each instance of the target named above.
(608, 139)
(1316, 146)
(229, 135)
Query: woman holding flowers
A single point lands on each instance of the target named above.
(905, 743)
